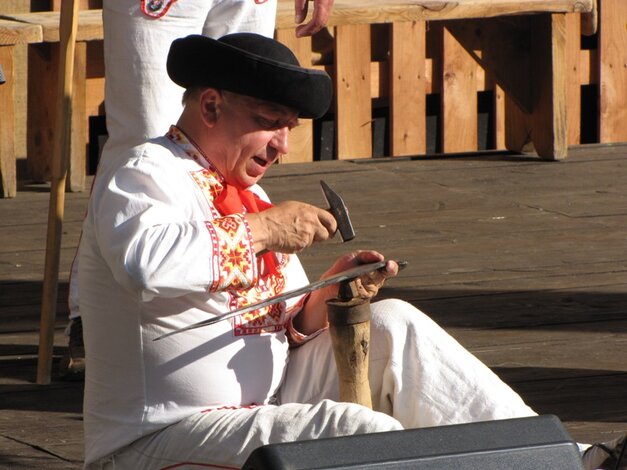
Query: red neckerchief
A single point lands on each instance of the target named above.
(239, 201)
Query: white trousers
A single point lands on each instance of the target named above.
(419, 376)
(140, 99)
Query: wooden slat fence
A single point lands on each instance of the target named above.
(596, 68)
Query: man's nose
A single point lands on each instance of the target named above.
(279, 140)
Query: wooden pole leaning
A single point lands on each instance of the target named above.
(67, 31)
(349, 325)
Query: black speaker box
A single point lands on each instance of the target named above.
(535, 443)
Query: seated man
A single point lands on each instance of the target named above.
(178, 231)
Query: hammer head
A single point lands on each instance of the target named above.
(339, 211)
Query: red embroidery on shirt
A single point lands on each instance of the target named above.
(264, 320)
(259, 2)
(233, 259)
(252, 406)
(155, 8)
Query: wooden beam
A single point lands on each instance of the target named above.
(573, 87)
(613, 71)
(352, 12)
(77, 165)
(7, 127)
(548, 50)
(43, 60)
(89, 24)
(459, 97)
(352, 92)
(408, 115)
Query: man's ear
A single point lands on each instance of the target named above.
(210, 104)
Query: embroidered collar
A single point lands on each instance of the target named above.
(192, 150)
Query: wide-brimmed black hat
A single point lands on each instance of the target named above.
(252, 65)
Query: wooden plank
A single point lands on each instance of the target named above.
(83, 4)
(517, 126)
(549, 121)
(408, 115)
(347, 12)
(89, 24)
(77, 164)
(499, 118)
(13, 32)
(589, 67)
(7, 126)
(41, 109)
(300, 142)
(613, 71)
(352, 92)
(573, 83)
(43, 60)
(459, 97)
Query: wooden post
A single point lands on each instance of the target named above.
(68, 26)
(349, 324)
(7, 141)
(549, 122)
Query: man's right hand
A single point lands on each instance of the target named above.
(290, 227)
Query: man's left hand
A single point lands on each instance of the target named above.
(367, 285)
(321, 12)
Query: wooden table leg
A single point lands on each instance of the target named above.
(7, 124)
(527, 57)
(548, 73)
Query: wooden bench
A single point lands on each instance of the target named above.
(11, 34)
(88, 91)
(520, 44)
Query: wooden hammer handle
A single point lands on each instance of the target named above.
(349, 325)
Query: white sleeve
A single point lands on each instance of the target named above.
(159, 241)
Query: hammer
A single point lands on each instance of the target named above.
(338, 209)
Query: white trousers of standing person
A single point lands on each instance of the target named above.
(419, 376)
(141, 102)
(140, 99)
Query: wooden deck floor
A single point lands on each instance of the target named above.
(525, 262)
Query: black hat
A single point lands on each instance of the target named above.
(253, 65)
